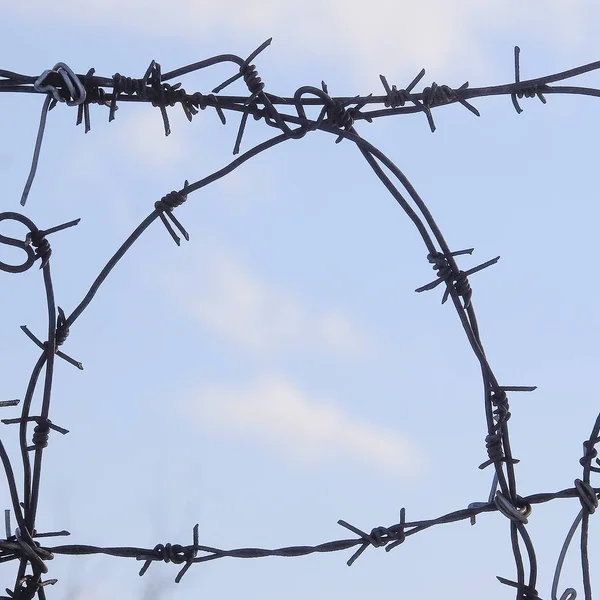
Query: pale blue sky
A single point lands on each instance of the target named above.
(278, 372)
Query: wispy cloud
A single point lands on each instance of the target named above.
(258, 316)
(395, 36)
(272, 411)
(142, 138)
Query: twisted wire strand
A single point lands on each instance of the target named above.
(387, 537)
(62, 85)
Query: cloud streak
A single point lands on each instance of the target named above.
(142, 136)
(272, 411)
(259, 317)
(394, 35)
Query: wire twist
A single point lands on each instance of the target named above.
(164, 207)
(175, 553)
(27, 587)
(379, 536)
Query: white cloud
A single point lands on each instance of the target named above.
(273, 411)
(393, 36)
(142, 137)
(258, 316)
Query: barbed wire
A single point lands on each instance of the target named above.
(337, 116)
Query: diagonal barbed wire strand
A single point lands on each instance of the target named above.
(337, 117)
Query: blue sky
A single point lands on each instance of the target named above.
(278, 372)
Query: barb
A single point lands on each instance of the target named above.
(395, 97)
(255, 87)
(379, 536)
(446, 273)
(529, 92)
(164, 207)
(27, 587)
(436, 95)
(338, 117)
(172, 553)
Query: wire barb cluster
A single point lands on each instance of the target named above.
(338, 117)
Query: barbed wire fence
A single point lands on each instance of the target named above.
(287, 115)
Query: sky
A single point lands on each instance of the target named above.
(278, 372)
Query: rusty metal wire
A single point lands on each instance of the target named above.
(337, 116)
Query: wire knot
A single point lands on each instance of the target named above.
(162, 94)
(445, 272)
(440, 264)
(38, 240)
(128, 85)
(495, 451)
(37, 237)
(340, 114)
(589, 453)
(499, 400)
(27, 587)
(437, 95)
(518, 514)
(380, 536)
(528, 92)
(94, 95)
(171, 200)
(175, 553)
(395, 97)
(40, 433)
(168, 95)
(432, 96)
(62, 328)
(197, 101)
(587, 496)
(254, 83)
(165, 206)
(32, 551)
(463, 287)
(453, 277)
(255, 86)
(67, 89)
(531, 92)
